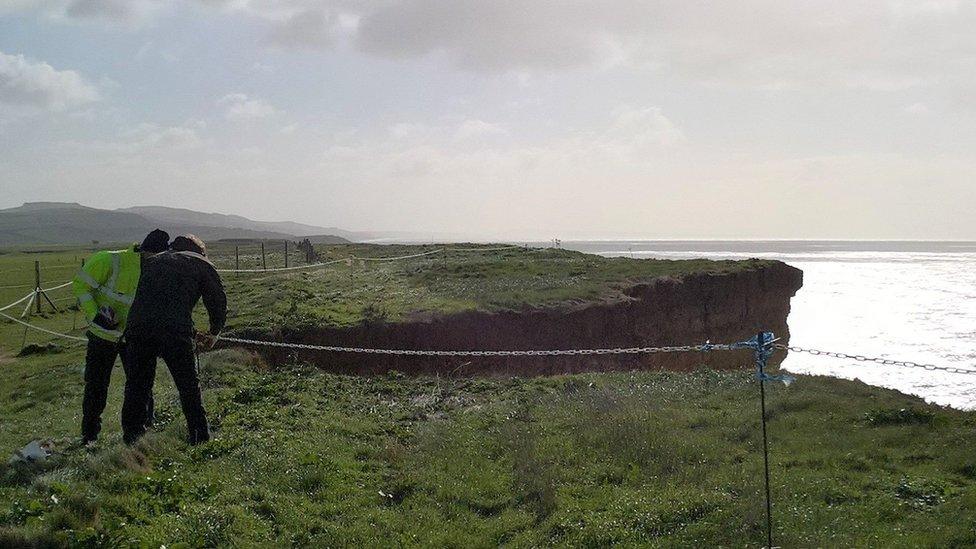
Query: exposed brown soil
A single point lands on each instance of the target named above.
(696, 308)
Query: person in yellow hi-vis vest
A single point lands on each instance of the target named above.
(105, 287)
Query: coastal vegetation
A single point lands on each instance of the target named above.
(306, 457)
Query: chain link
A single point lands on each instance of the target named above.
(424, 352)
(877, 360)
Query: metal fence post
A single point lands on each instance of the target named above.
(761, 357)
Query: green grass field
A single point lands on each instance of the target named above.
(303, 457)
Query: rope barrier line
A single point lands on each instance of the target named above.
(68, 283)
(58, 287)
(39, 329)
(358, 258)
(325, 263)
(278, 269)
(43, 268)
(498, 249)
(30, 302)
(412, 256)
(877, 360)
(18, 302)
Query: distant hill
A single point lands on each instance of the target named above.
(191, 217)
(71, 223)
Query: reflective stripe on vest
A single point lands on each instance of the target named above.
(87, 279)
(115, 273)
(124, 299)
(108, 289)
(114, 334)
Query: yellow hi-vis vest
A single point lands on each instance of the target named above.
(108, 279)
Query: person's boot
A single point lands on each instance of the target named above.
(131, 438)
(199, 436)
(89, 435)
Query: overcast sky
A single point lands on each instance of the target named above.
(504, 119)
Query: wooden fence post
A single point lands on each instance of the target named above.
(37, 284)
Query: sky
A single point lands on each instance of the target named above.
(498, 119)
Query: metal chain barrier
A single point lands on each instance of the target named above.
(503, 353)
(876, 360)
(421, 352)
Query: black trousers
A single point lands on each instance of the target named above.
(99, 362)
(177, 353)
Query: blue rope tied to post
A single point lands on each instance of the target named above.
(764, 350)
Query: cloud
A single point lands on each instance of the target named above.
(417, 132)
(126, 13)
(411, 130)
(478, 128)
(918, 109)
(238, 106)
(144, 140)
(37, 84)
(644, 126)
(311, 28)
(107, 9)
(152, 136)
(482, 35)
(631, 138)
(762, 44)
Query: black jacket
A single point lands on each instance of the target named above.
(170, 285)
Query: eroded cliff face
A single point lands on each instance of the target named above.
(720, 308)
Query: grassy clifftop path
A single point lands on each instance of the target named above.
(303, 457)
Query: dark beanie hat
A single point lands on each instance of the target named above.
(155, 242)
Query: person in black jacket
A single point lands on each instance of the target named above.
(160, 325)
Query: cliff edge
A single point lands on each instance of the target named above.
(686, 310)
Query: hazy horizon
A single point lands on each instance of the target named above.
(619, 119)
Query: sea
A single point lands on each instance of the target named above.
(913, 301)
